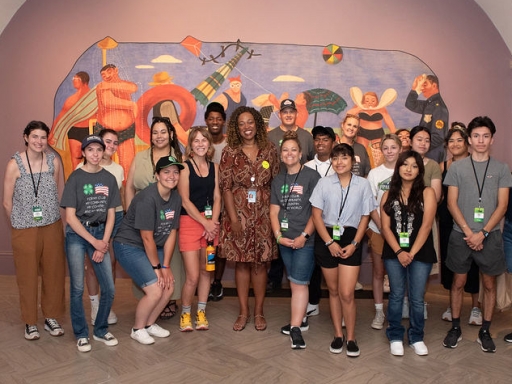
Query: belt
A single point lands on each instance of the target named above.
(92, 223)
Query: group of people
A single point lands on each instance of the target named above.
(257, 196)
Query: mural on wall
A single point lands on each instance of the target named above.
(123, 85)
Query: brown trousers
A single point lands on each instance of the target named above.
(40, 251)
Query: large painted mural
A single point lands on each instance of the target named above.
(122, 85)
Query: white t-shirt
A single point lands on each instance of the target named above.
(379, 179)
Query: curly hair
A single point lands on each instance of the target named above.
(233, 133)
(194, 131)
(415, 200)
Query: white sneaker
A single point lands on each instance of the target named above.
(359, 286)
(108, 339)
(385, 285)
(378, 321)
(312, 310)
(420, 348)
(157, 331)
(447, 315)
(405, 309)
(396, 348)
(112, 318)
(142, 336)
(83, 344)
(476, 316)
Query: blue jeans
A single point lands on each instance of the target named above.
(507, 243)
(412, 278)
(76, 249)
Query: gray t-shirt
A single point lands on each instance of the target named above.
(305, 139)
(92, 194)
(461, 175)
(294, 193)
(362, 165)
(149, 212)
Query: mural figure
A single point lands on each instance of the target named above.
(434, 113)
(372, 113)
(80, 129)
(117, 111)
(233, 97)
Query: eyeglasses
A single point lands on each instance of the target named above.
(161, 119)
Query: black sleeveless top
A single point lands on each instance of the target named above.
(200, 188)
(399, 217)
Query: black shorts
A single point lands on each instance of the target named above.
(324, 258)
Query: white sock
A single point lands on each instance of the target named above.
(95, 299)
(379, 307)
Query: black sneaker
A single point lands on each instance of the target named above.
(31, 332)
(508, 338)
(304, 326)
(485, 341)
(337, 345)
(216, 291)
(296, 338)
(452, 338)
(52, 326)
(352, 349)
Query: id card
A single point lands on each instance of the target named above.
(337, 231)
(478, 216)
(37, 213)
(404, 239)
(284, 225)
(251, 195)
(208, 212)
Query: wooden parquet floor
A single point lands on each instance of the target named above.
(221, 355)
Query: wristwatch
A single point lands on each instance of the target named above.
(354, 243)
(158, 266)
(305, 235)
(485, 233)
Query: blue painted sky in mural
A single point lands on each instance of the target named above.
(370, 70)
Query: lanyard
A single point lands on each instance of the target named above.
(36, 189)
(480, 190)
(342, 204)
(404, 217)
(291, 187)
(329, 167)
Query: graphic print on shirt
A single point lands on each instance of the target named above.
(96, 198)
(164, 225)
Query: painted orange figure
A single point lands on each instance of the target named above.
(117, 111)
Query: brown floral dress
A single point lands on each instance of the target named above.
(236, 170)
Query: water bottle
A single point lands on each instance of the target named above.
(210, 257)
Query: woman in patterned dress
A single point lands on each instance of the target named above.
(249, 163)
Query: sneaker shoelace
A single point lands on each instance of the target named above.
(31, 329)
(52, 323)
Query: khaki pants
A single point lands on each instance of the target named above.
(40, 251)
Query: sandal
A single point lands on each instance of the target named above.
(169, 311)
(240, 323)
(260, 325)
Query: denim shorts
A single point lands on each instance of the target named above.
(299, 263)
(136, 263)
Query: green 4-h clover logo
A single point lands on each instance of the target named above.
(162, 215)
(285, 188)
(88, 189)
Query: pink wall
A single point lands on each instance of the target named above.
(455, 38)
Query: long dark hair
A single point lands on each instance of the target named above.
(415, 200)
(174, 142)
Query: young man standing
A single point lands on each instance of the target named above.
(215, 119)
(478, 190)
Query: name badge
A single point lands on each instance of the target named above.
(208, 212)
(478, 216)
(404, 239)
(251, 195)
(337, 231)
(37, 213)
(284, 225)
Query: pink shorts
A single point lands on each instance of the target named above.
(191, 238)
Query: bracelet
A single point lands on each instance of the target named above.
(399, 252)
(165, 267)
(278, 238)
(329, 242)
(158, 266)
